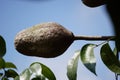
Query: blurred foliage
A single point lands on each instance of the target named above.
(7, 69)
(36, 69)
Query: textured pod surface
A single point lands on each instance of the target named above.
(44, 40)
(94, 3)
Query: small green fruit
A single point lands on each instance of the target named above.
(44, 40)
(94, 3)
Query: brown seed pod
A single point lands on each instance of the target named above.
(44, 40)
(94, 3)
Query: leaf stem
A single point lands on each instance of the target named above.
(94, 38)
(4, 73)
(117, 75)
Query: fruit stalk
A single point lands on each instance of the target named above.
(82, 37)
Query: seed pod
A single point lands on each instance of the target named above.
(44, 40)
(94, 3)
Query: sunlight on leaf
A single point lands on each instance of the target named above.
(42, 70)
(88, 58)
(72, 66)
(115, 51)
(25, 75)
(36, 68)
(2, 47)
(109, 59)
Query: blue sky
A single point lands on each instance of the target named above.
(16, 15)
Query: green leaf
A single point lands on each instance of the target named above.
(40, 69)
(109, 59)
(17, 78)
(2, 47)
(4, 79)
(39, 78)
(1, 74)
(36, 68)
(10, 65)
(2, 63)
(11, 73)
(25, 75)
(88, 58)
(47, 72)
(72, 66)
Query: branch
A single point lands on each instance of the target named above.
(94, 38)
